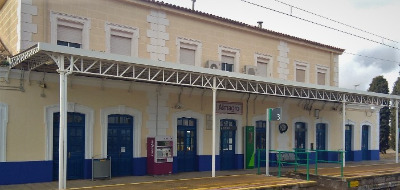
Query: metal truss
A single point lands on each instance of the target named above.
(33, 59)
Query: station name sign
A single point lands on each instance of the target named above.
(229, 108)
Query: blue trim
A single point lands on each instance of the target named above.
(25, 172)
(139, 166)
(239, 161)
(204, 162)
(175, 165)
(374, 154)
(87, 173)
(261, 158)
(311, 158)
(272, 157)
(356, 155)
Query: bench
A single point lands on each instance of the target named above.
(287, 157)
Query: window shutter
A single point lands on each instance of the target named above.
(300, 75)
(120, 45)
(228, 59)
(187, 56)
(262, 69)
(321, 78)
(69, 34)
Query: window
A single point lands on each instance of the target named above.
(264, 65)
(122, 40)
(229, 58)
(301, 72)
(69, 30)
(322, 75)
(189, 51)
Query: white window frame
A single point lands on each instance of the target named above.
(269, 64)
(69, 20)
(109, 27)
(235, 51)
(181, 41)
(322, 69)
(3, 131)
(298, 64)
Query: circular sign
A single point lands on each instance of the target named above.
(283, 127)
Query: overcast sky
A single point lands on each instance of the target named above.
(379, 17)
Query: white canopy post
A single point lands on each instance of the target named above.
(267, 144)
(214, 105)
(344, 131)
(62, 144)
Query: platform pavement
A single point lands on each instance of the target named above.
(78, 184)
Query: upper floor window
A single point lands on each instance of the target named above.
(229, 58)
(69, 30)
(122, 40)
(322, 75)
(264, 65)
(301, 72)
(189, 51)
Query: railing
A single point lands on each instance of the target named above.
(297, 159)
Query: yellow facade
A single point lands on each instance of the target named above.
(28, 126)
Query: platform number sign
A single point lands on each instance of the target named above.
(275, 114)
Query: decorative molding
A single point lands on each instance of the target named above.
(239, 133)
(69, 20)
(234, 51)
(199, 128)
(283, 60)
(158, 35)
(196, 45)
(137, 127)
(72, 107)
(298, 64)
(133, 34)
(323, 69)
(25, 27)
(3, 131)
(270, 64)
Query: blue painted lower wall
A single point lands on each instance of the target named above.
(88, 169)
(25, 172)
(374, 154)
(139, 166)
(205, 162)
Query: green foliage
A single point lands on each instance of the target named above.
(380, 85)
(393, 118)
(4, 63)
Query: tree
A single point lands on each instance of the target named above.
(393, 118)
(380, 85)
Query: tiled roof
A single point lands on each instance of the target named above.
(161, 3)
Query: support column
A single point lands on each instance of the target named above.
(214, 105)
(267, 144)
(397, 131)
(344, 130)
(62, 144)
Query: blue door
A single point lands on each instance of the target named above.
(321, 140)
(260, 140)
(364, 142)
(348, 139)
(120, 144)
(300, 140)
(75, 145)
(186, 144)
(227, 147)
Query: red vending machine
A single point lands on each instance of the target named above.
(159, 155)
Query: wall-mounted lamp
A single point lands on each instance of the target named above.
(316, 113)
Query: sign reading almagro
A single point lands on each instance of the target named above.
(229, 108)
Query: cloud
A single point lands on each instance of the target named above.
(383, 53)
(372, 3)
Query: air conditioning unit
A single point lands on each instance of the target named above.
(250, 70)
(213, 65)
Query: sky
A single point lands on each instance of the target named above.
(379, 17)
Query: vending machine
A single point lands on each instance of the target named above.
(159, 155)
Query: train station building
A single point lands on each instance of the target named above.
(121, 73)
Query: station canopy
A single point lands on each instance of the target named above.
(42, 57)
